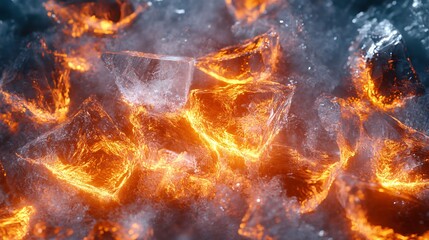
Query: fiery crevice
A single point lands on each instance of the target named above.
(94, 17)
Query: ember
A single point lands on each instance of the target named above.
(222, 119)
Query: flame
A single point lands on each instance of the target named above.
(16, 226)
(95, 157)
(252, 60)
(248, 10)
(367, 88)
(40, 109)
(240, 120)
(76, 63)
(309, 179)
(177, 178)
(83, 18)
(394, 164)
(352, 197)
(90, 176)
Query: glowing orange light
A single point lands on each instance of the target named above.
(95, 157)
(240, 120)
(41, 109)
(398, 163)
(356, 197)
(106, 229)
(309, 179)
(75, 62)
(89, 17)
(253, 60)
(248, 10)
(9, 121)
(15, 226)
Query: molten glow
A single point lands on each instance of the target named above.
(177, 180)
(253, 60)
(391, 167)
(7, 119)
(76, 63)
(351, 200)
(240, 120)
(16, 226)
(99, 177)
(40, 109)
(248, 10)
(367, 89)
(84, 18)
(105, 229)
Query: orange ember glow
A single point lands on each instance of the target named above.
(358, 197)
(95, 160)
(397, 165)
(309, 179)
(240, 120)
(178, 179)
(7, 119)
(248, 10)
(109, 230)
(370, 89)
(49, 105)
(15, 226)
(253, 60)
(76, 63)
(93, 17)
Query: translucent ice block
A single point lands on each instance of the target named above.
(240, 119)
(87, 152)
(253, 60)
(381, 69)
(159, 82)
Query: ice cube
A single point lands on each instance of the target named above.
(178, 163)
(399, 159)
(381, 69)
(252, 60)
(240, 119)
(379, 213)
(159, 82)
(175, 176)
(87, 152)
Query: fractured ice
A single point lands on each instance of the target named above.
(159, 82)
(252, 60)
(384, 70)
(241, 119)
(88, 152)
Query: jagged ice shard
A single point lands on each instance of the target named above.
(381, 69)
(158, 82)
(240, 119)
(253, 60)
(88, 152)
